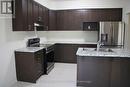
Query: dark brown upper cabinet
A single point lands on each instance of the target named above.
(52, 20)
(30, 16)
(46, 17)
(35, 12)
(106, 14)
(28, 12)
(41, 14)
(75, 19)
(20, 16)
(69, 20)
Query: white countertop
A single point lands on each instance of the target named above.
(90, 52)
(68, 42)
(29, 49)
(34, 49)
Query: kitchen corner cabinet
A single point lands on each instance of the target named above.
(23, 15)
(29, 65)
(66, 53)
(41, 14)
(103, 72)
(52, 20)
(28, 12)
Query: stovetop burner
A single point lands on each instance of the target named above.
(35, 42)
(45, 45)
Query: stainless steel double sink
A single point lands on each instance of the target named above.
(104, 50)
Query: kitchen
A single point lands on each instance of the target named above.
(12, 40)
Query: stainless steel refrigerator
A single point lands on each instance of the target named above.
(112, 33)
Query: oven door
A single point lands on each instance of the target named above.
(49, 60)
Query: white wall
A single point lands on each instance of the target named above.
(72, 4)
(75, 36)
(9, 41)
(47, 3)
(127, 22)
(128, 33)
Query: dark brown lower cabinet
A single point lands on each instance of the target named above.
(115, 72)
(120, 72)
(103, 72)
(66, 53)
(29, 65)
(93, 72)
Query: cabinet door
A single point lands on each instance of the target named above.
(93, 72)
(35, 12)
(24, 14)
(52, 20)
(21, 15)
(40, 13)
(60, 20)
(30, 15)
(69, 20)
(120, 72)
(39, 62)
(87, 16)
(115, 15)
(66, 53)
(116, 72)
(45, 15)
(46, 18)
(27, 67)
(125, 72)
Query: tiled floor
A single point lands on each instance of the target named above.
(63, 75)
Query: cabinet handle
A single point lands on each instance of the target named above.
(39, 18)
(38, 60)
(47, 28)
(29, 27)
(88, 82)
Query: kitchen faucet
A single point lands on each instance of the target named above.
(99, 44)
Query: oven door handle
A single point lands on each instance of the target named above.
(48, 51)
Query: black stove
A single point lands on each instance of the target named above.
(48, 55)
